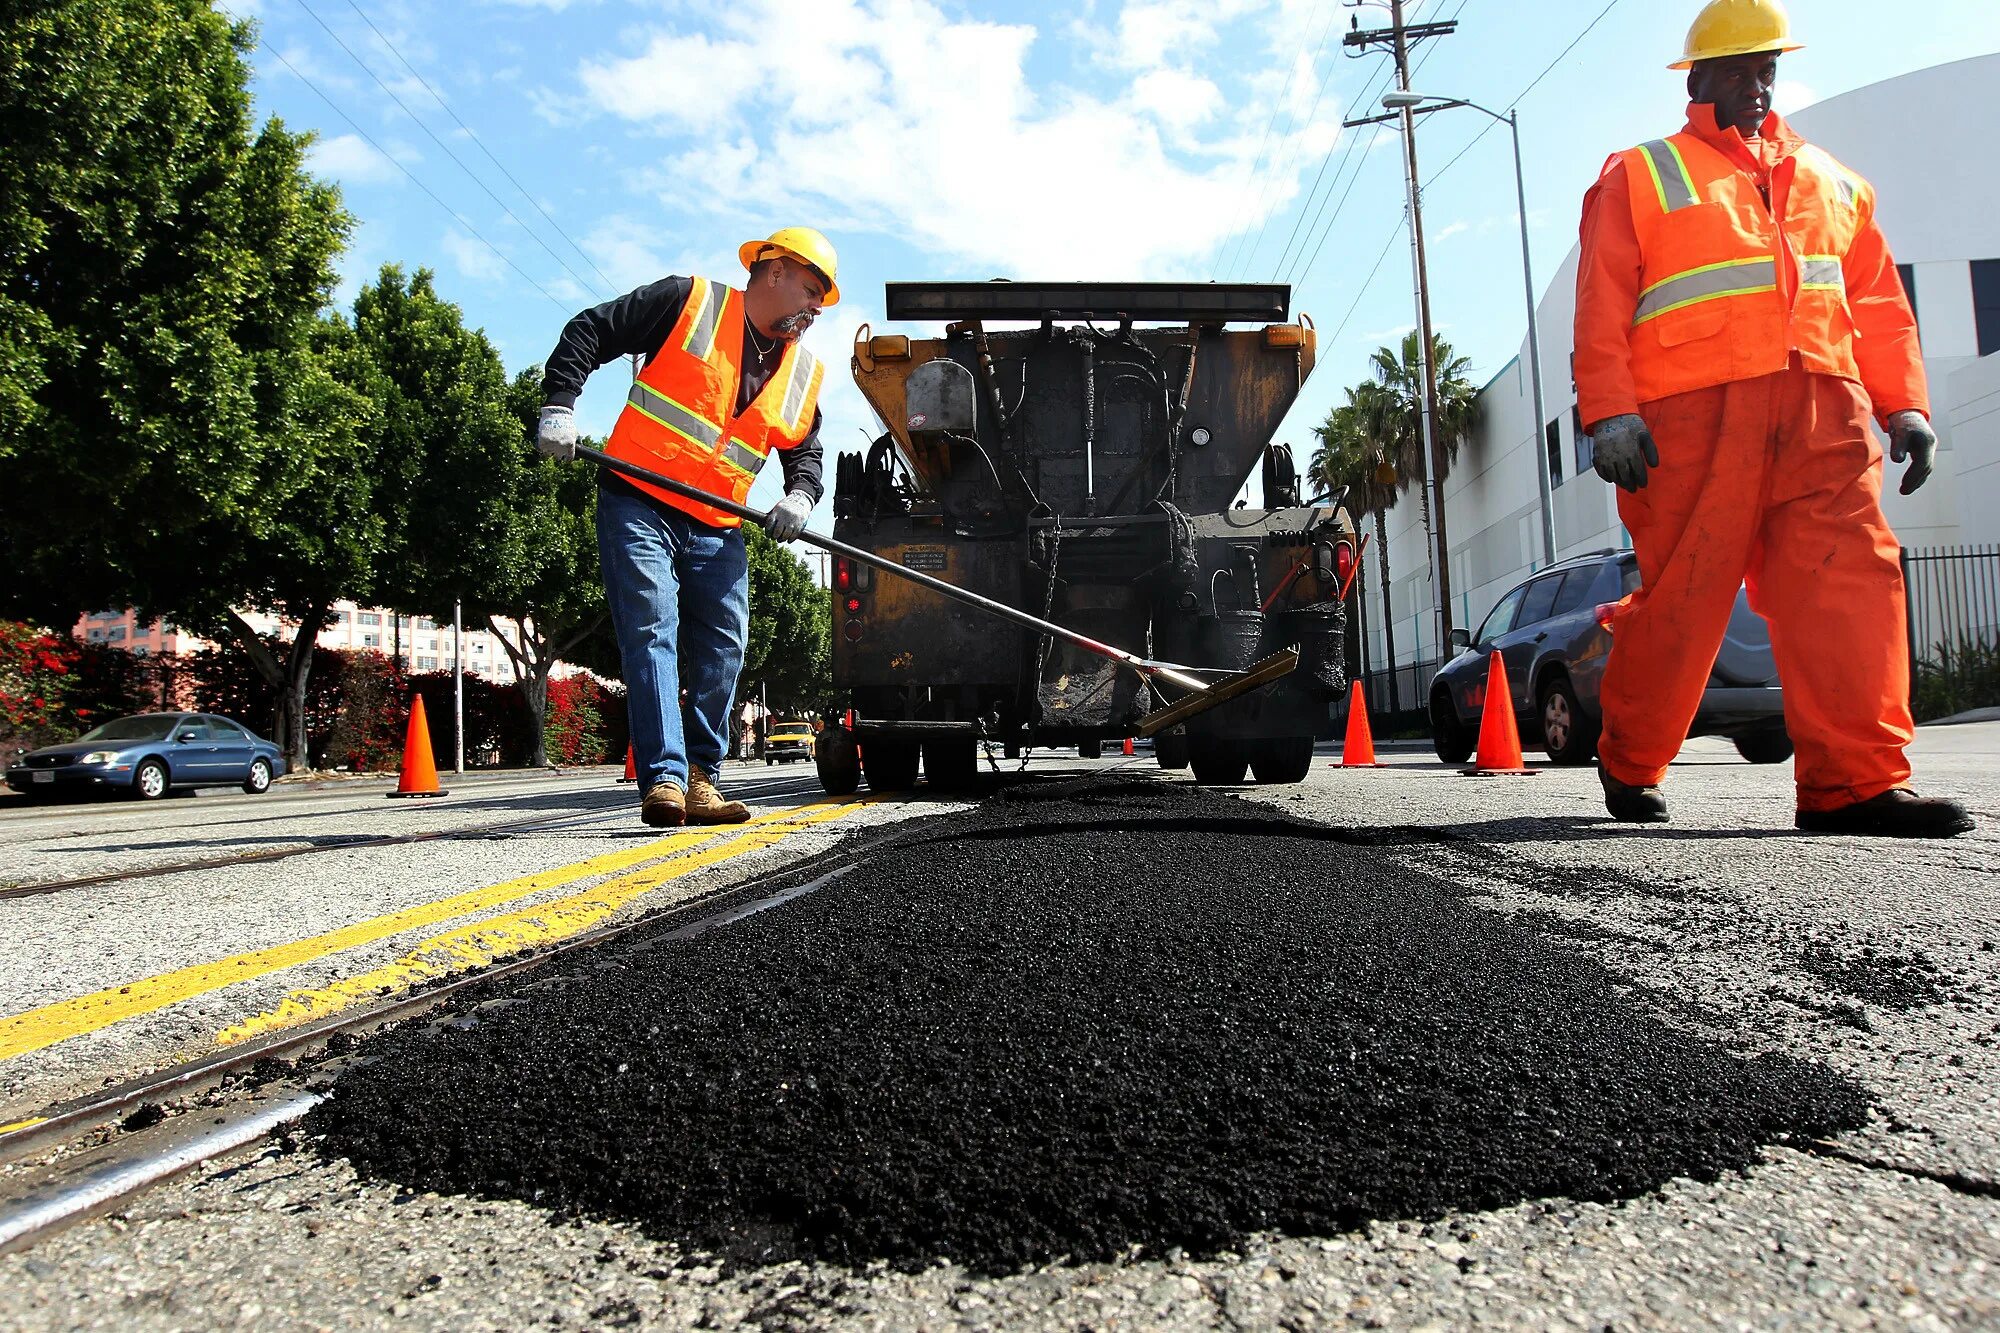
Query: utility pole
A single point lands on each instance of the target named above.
(1431, 459)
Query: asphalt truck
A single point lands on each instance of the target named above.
(1077, 451)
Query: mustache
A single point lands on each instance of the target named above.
(795, 323)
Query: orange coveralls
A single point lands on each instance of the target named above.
(1773, 480)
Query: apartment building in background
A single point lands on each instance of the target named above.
(420, 643)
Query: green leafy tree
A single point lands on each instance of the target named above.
(162, 265)
(789, 650)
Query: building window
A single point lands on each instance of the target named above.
(1908, 273)
(427, 664)
(370, 640)
(117, 633)
(1552, 434)
(340, 617)
(142, 631)
(96, 634)
(1986, 304)
(425, 623)
(367, 618)
(478, 647)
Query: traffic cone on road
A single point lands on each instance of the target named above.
(1357, 750)
(1499, 738)
(1128, 745)
(420, 774)
(631, 767)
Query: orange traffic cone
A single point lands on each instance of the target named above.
(1499, 739)
(420, 774)
(1128, 745)
(1358, 749)
(631, 767)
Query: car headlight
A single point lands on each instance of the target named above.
(100, 757)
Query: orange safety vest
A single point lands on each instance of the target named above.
(1730, 286)
(680, 418)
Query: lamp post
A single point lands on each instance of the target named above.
(1403, 100)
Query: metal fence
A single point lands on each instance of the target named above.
(1954, 597)
(1954, 594)
(1406, 703)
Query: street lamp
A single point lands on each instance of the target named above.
(1413, 102)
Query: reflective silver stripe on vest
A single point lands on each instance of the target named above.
(701, 336)
(1670, 175)
(743, 456)
(1708, 283)
(658, 407)
(1843, 181)
(803, 365)
(1822, 271)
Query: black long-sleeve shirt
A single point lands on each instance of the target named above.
(637, 324)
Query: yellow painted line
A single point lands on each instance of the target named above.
(16, 1126)
(498, 937)
(52, 1023)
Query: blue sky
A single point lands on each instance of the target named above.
(604, 144)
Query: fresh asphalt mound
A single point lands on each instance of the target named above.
(1080, 1021)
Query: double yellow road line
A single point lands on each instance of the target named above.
(635, 872)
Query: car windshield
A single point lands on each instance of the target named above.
(145, 727)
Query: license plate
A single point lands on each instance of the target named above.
(44, 777)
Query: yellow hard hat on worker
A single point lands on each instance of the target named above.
(1737, 28)
(803, 244)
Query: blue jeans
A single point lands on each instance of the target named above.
(679, 592)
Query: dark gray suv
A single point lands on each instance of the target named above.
(1554, 633)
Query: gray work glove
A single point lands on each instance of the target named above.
(1624, 449)
(1911, 437)
(556, 436)
(788, 519)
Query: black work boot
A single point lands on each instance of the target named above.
(1633, 805)
(1896, 813)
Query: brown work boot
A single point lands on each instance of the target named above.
(1633, 805)
(707, 805)
(664, 806)
(1896, 813)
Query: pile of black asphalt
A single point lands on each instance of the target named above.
(1097, 1019)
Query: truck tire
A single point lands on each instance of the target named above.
(1170, 750)
(1282, 759)
(838, 764)
(1090, 749)
(890, 765)
(1217, 763)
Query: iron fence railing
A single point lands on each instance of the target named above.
(1410, 694)
(1954, 631)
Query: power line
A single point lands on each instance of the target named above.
(1366, 283)
(1256, 162)
(458, 161)
(1488, 127)
(438, 97)
(451, 212)
(1278, 172)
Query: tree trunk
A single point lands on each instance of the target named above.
(298, 670)
(1388, 615)
(531, 670)
(270, 668)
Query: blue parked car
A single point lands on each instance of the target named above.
(148, 754)
(1553, 632)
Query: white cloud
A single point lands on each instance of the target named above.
(473, 258)
(890, 116)
(349, 159)
(1790, 95)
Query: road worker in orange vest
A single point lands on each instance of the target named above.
(1739, 319)
(725, 382)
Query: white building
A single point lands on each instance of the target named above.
(1941, 213)
(420, 644)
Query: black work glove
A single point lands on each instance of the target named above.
(1624, 449)
(1911, 437)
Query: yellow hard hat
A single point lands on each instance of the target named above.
(1737, 28)
(803, 244)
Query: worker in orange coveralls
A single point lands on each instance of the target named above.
(1738, 320)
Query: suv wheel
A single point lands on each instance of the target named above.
(149, 782)
(1569, 735)
(1452, 739)
(1764, 747)
(259, 780)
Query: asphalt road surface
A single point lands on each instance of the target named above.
(1390, 1048)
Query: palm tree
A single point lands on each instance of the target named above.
(1398, 377)
(1352, 456)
